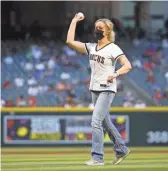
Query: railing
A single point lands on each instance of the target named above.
(84, 109)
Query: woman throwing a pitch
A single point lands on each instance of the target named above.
(103, 56)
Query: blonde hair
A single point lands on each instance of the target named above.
(109, 29)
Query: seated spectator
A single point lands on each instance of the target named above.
(2, 102)
(32, 101)
(33, 90)
(65, 76)
(148, 66)
(40, 66)
(60, 87)
(20, 101)
(28, 66)
(19, 81)
(158, 95)
(9, 103)
(8, 60)
(7, 83)
(31, 81)
(36, 52)
(52, 63)
(128, 103)
(140, 104)
(69, 102)
(137, 63)
(165, 43)
(150, 78)
(166, 76)
(166, 94)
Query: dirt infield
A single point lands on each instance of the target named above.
(77, 152)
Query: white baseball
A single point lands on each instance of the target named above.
(80, 15)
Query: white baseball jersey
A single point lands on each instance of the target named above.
(102, 63)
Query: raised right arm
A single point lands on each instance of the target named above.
(78, 46)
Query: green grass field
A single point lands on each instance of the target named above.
(65, 159)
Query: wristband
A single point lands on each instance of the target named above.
(116, 73)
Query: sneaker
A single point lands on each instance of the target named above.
(94, 163)
(119, 159)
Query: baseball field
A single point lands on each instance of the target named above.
(73, 158)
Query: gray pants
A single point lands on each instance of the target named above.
(101, 119)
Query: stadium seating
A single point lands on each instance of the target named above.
(77, 69)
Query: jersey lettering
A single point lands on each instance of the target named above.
(102, 60)
(97, 58)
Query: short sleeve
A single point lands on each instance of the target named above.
(88, 47)
(116, 52)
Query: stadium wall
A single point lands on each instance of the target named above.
(60, 126)
(47, 13)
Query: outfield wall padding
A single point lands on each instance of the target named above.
(59, 126)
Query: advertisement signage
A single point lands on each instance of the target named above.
(137, 128)
(50, 129)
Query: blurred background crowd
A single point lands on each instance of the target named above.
(39, 69)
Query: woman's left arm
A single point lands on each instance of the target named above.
(125, 65)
